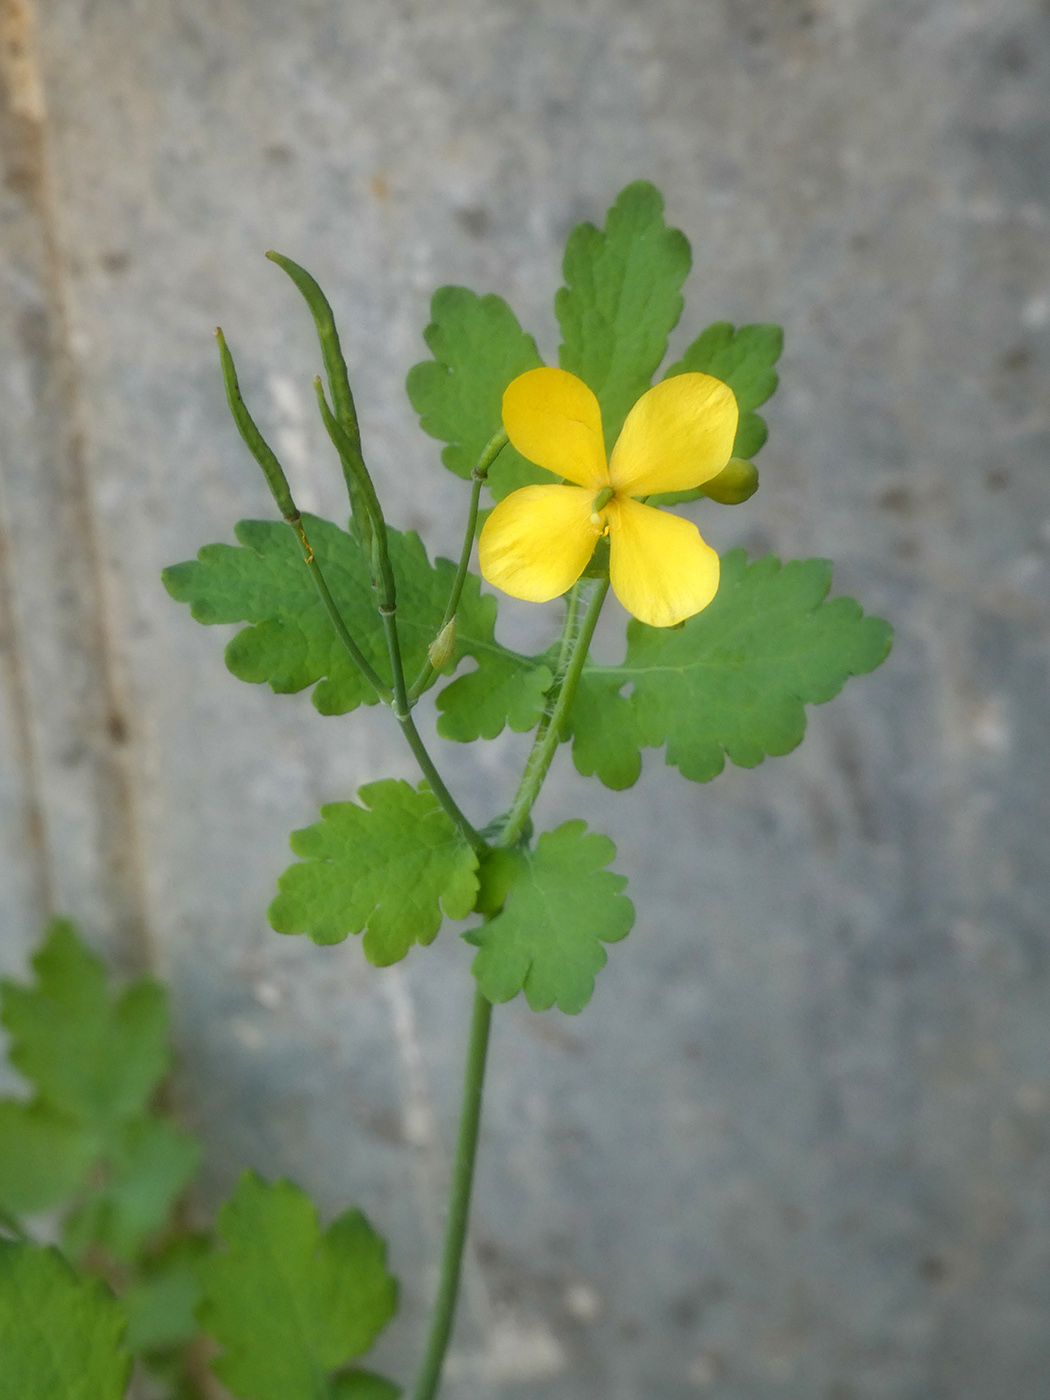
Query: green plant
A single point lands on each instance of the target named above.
(364, 617)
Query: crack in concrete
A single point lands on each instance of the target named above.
(75, 531)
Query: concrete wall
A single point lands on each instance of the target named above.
(798, 1146)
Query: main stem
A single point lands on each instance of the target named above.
(459, 1204)
(573, 654)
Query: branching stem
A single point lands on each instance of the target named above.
(549, 733)
(491, 451)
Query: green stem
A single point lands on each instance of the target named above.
(386, 589)
(572, 655)
(396, 697)
(491, 451)
(548, 735)
(355, 653)
(451, 808)
(459, 1204)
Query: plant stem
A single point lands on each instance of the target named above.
(491, 451)
(459, 1204)
(386, 590)
(548, 735)
(358, 657)
(572, 655)
(473, 838)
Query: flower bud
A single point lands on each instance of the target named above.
(736, 482)
(443, 646)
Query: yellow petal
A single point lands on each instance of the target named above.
(538, 540)
(678, 435)
(661, 570)
(553, 419)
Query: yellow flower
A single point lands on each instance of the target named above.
(538, 541)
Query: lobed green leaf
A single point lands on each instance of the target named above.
(478, 348)
(60, 1334)
(559, 905)
(147, 1167)
(733, 681)
(290, 643)
(621, 300)
(363, 1385)
(508, 690)
(744, 360)
(160, 1302)
(96, 1058)
(389, 867)
(287, 1303)
(44, 1156)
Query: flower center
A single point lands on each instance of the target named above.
(599, 503)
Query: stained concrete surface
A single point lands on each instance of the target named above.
(799, 1143)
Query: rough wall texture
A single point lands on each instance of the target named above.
(799, 1144)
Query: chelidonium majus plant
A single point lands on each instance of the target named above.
(576, 470)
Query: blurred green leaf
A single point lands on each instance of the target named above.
(147, 1168)
(363, 1385)
(96, 1057)
(160, 1302)
(60, 1334)
(287, 1303)
(44, 1156)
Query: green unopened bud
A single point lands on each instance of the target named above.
(736, 482)
(441, 649)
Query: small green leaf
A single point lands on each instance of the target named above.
(60, 1335)
(363, 1385)
(160, 1302)
(744, 360)
(732, 681)
(561, 906)
(147, 1167)
(621, 301)
(44, 1156)
(478, 348)
(96, 1058)
(290, 643)
(508, 690)
(390, 865)
(287, 1303)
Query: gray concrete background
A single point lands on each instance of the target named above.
(799, 1144)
